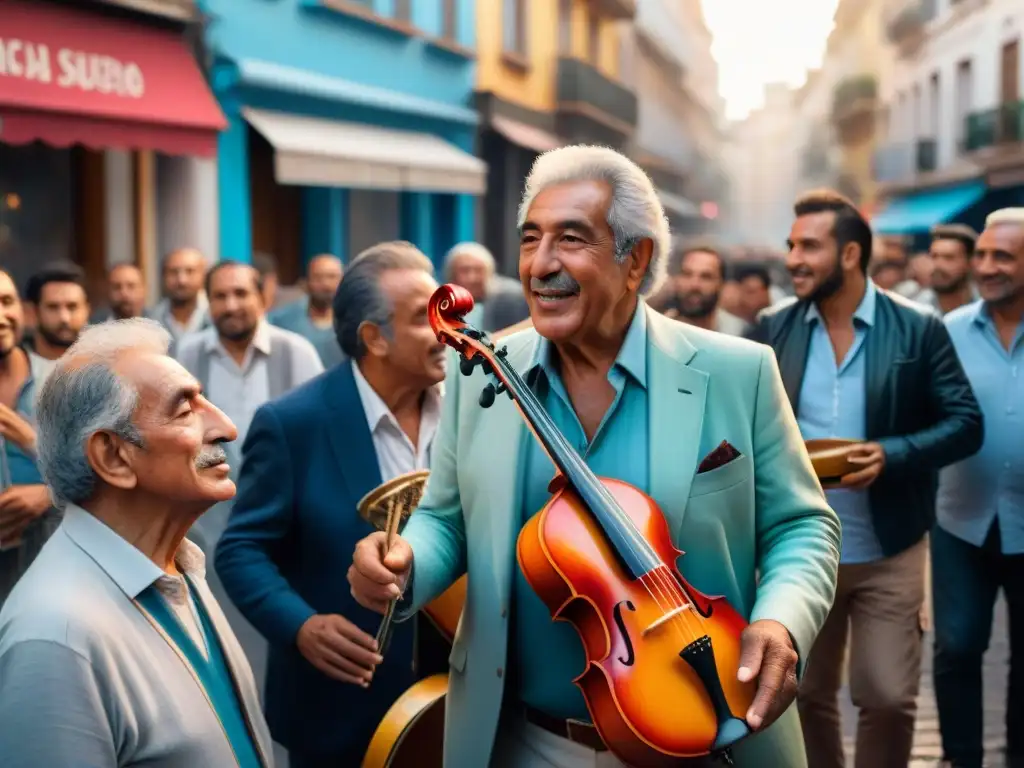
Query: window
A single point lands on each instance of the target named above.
(450, 20)
(565, 27)
(934, 106)
(403, 10)
(514, 27)
(964, 97)
(594, 42)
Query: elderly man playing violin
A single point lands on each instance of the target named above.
(697, 421)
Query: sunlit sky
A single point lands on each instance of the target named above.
(762, 41)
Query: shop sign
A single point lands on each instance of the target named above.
(70, 68)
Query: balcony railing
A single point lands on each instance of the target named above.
(1003, 125)
(894, 163)
(592, 107)
(927, 155)
(617, 9)
(910, 19)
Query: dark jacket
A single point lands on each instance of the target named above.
(920, 406)
(308, 460)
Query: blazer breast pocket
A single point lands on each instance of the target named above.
(726, 476)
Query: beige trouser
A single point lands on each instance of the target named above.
(523, 745)
(878, 606)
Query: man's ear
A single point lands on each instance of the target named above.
(639, 262)
(373, 338)
(111, 458)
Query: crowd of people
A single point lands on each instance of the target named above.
(185, 580)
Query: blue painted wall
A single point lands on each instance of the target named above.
(308, 36)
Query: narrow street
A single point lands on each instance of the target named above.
(927, 742)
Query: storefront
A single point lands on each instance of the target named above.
(105, 121)
(353, 127)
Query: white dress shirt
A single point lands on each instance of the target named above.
(396, 454)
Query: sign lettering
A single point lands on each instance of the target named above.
(85, 71)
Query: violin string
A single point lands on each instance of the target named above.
(675, 596)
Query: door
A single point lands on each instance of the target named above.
(1010, 112)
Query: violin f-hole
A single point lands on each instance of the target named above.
(621, 624)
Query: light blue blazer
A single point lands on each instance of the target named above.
(764, 512)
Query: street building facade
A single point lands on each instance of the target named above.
(955, 148)
(548, 74)
(349, 122)
(107, 135)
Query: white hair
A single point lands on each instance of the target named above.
(473, 250)
(84, 395)
(1006, 216)
(635, 212)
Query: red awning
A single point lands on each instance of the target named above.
(71, 76)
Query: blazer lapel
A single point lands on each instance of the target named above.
(356, 458)
(502, 459)
(676, 394)
(791, 351)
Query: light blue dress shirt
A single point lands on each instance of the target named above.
(989, 484)
(549, 654)
(833, 403)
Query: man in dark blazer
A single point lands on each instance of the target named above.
(859, 362)
(308, 459)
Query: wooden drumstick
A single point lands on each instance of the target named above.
(384, 632)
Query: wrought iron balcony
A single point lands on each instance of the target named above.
(592, 107)
(927, 155)
(910, 19)
(1003, 125)
(617, 9)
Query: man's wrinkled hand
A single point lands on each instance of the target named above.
(19, 506)
(871, 458)
(768, 655)
(15, 429)
(339, 649)
(378, 575)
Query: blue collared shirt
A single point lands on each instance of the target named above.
(550, 654)
(20, 467)
(990, 484)
(295, 317)
(833, 403)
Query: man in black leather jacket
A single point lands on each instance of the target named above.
(858, 362)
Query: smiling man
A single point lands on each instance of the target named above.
(113, 651)
(696, 419)
(864, 364)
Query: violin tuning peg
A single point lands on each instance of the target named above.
(487, 395)
(500, 387)
(466, 366)
(488, 370)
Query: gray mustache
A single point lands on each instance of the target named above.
(211, 457)
(562, 282)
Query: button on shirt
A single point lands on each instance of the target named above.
(833, 403)
(549, 654)
(990, 484)
(396, 454)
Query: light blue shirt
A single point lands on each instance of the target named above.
(549, 654)
(294, 317)
(833, 403)
(990, 484)
(19, 468)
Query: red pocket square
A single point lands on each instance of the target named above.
(719, 457)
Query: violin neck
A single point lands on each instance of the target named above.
(634, 552)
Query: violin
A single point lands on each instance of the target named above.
(662, 658)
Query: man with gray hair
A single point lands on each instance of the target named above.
(309, 458)
(113, 651)
(696, 419)
(498, 300)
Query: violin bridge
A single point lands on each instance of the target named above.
(665, 618)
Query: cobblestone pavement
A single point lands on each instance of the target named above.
(927, 742)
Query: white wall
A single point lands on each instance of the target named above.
(187, 206)
(975, 30)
